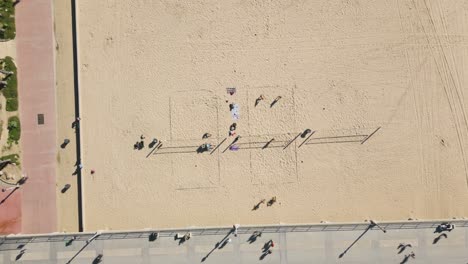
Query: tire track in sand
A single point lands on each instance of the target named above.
(446, 75)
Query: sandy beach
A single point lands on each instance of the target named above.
(343, 69)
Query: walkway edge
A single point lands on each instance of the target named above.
(243, 229)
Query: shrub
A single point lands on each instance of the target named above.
(11, 89)
(14, 129)
(11, 104)
(13, 157)
(7, 19)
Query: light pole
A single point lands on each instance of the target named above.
(372, 224)
(96, 235)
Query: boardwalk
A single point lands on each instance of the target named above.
(295, 247)
(35, 49)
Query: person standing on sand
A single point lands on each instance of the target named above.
(272, 201)
(260, 98)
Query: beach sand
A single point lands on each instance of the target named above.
(343, 69)
(67, 203)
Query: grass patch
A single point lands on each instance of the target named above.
(11, 104)
(7, 20)
(14, 129)
(13, 157)
(11, 89)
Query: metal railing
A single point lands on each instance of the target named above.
(145, 233)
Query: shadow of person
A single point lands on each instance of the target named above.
(225, 242)
(405, 259)
(139, 145)
(266, 246)
(438, 238)
(153, 236)
(65, 188)
(201, 149)
(98, 259)
(19, 256)
(69, 242)
(181, 241)
(304, 134)
(152, 144)
(402, 247)
(252, 238)
(264, 254)
(257, 101)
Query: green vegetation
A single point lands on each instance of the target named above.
(7, 20)
(14, 129)
(11, 104)
(13, 157)
(11, 88)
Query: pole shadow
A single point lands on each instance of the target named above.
(355, 241)
(217, 245)
(268, 143)
(10, 194)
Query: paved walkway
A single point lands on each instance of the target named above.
(35, 60)
(299, 248)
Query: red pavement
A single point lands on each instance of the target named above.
(10, 213)
(36, 83)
